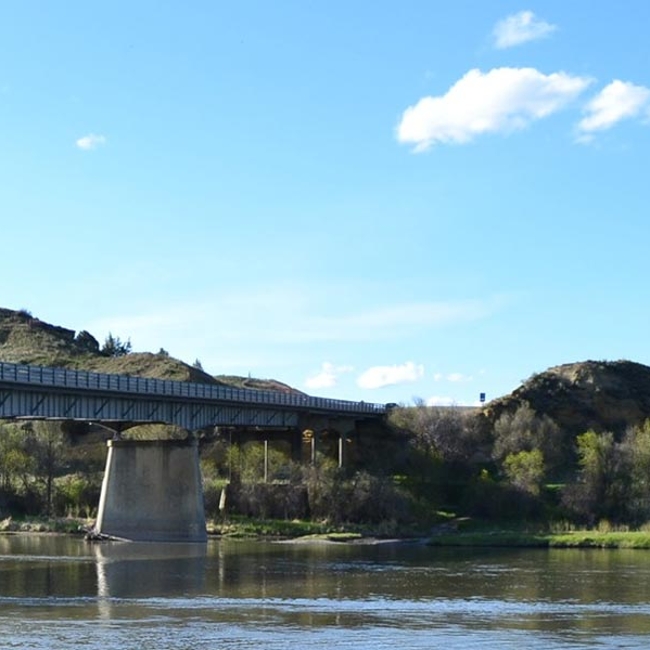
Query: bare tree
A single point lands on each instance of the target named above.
(448, 432)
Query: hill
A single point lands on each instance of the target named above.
(599, 395)
(29, 340)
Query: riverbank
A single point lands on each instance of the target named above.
(518, 539)
(319, 532)
(60, 525)
(236, 528)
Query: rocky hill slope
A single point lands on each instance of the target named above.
(29, 340)
(599, 395)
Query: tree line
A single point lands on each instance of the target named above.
(526, 466)
(428, 462)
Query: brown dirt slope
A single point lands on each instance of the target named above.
(599, 395)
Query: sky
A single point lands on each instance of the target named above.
(374, 201)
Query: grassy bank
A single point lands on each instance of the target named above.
(62, 525)
(518, 539)
(235, 527)
(244, 528)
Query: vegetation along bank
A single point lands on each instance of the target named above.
(568, 450)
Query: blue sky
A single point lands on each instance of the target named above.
(372, 201)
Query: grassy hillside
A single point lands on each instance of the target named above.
(29, 340)
(598, 395)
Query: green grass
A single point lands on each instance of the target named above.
(522, 539)
(242, 527)
(596, 539)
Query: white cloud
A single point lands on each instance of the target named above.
(328, 376)
(379, 376)
(520, 28)
(438, 400)
(454, 377)
(499, 101)
(619, 100)
(457, 377)
(91, 141)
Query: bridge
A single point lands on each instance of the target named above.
(152, 489)
(37, 392)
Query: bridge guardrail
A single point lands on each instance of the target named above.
(87, 380)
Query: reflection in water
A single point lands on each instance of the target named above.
(248, 594)
(140, 570)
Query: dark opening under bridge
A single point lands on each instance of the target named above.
(152, 489)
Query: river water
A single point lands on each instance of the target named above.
(61, 592)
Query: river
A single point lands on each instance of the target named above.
(62, 592)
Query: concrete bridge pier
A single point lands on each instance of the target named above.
(342, 453)
(152, 492)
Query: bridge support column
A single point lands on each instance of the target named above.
(312, 448)
(152, 492)
(266, 460)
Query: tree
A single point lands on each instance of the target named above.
(635, 462)
(525, 470)
(446, 432)
(115, 347)
(45, 445)
(599, 490)
(525, 430)
(15, 462)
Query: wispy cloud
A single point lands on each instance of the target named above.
(227, 327)
(91, 141)
(287, 322)
(399, 319)
(328, 376)
(519, 28)
(379, 376)
(499, 101)
(617, 101)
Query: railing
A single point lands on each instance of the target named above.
(95, 381)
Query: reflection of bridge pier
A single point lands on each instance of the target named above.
(126, 570)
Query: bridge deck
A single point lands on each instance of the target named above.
(83, 384)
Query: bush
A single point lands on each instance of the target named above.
(268, 500)
(361, 498)
(75, 495)
(115, 347)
